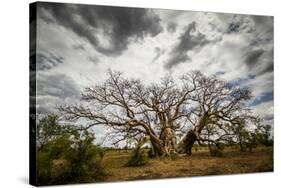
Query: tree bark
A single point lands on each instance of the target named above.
(157, 149)
(186, 144)
(168, 138)
(165, 144)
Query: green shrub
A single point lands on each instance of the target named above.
(151, 153)
(139, 158)
(263, 137)
(67, 157)
(216, 150)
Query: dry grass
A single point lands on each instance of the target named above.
(199, 164)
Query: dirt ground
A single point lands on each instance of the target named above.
(200, 163)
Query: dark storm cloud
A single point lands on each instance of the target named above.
(239, 24)
(172, 27)
(119, 25)
(263, 29)
(54, 90)
(259, 61)
(265, 21)
(58, 85)
(189, 40)
(266, 64)
(233, 28)
(264, 98)
(258, 54)
(252, 58)
(260, 19)
(268, 68)
(47, 60)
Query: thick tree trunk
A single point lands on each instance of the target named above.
(157, 150)
(165, 144)
(168, 138)
(186, 144)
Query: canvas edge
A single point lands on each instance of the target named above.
(32, 94)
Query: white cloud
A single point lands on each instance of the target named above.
(265, 110)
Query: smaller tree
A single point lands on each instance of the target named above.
(263, 135)
(245, 137)
(139, 156)
(242, 135)
(65, 154)
(47, 129)
(216, 149)
(251, 142)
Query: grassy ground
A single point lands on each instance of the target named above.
(199, 164)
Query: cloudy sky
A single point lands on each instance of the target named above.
(77, 44)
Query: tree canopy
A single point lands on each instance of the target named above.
(174, 113)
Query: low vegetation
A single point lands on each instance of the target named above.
(139, 156)
(201, 163)
(66, 155)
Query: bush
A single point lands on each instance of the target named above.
(138, 159)
(67, 157)
(151, 153)
(262, 133)
(216, 150)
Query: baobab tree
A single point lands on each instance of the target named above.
(165, 112)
